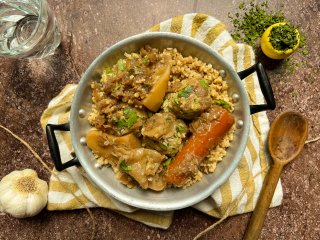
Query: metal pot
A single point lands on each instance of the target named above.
(168, 199)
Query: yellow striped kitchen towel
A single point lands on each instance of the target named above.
(246, 179)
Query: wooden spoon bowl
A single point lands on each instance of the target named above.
(287, 136)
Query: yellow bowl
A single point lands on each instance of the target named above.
(270, 51)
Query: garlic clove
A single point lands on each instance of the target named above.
(23, 194)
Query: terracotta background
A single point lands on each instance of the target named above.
(88, 27)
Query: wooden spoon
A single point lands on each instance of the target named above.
(286, 139)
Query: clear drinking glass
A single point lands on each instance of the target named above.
(28, 29)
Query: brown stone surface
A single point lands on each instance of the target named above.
(87, 28)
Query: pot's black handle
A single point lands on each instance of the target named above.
(54, 146)
(265, 86)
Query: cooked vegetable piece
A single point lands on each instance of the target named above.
(155, 97)
(164, 133)
(190, 101)
(142, 164)
(159, 125)
(96, 140)
(129, 140)
(197, 148)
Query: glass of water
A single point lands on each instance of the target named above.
(28, 29)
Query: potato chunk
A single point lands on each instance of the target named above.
(103, 144)
(155, 97)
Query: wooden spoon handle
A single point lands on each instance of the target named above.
(256, 222)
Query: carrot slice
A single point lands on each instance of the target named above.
(197, 148)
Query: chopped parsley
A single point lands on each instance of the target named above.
(146, 60)
(121, 64)
(130, 118)
(122, 123)
(118, 87)
(185, 92)
(127, 111)
(222, 104)
(167, 162)
(169, 119)
(163, 147)
(176, 100)
(283, 37)
(180, 129)
(109, 71)
(124, 167)
(252, 20)
(204, 83)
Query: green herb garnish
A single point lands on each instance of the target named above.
(185, 92)
(204, 83)
(121, 64)
(146, 60)
(124, 167)
(163, 147)
(127, 111)
(222, 103)
(169, 119)
(122, 123)
(118, 87)
(167, 162)
(176, 100)
(180, 129)
(130, 118)
(283, 37)
(253, 20)
(109, 71)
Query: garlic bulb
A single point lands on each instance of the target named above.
(23, 194)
